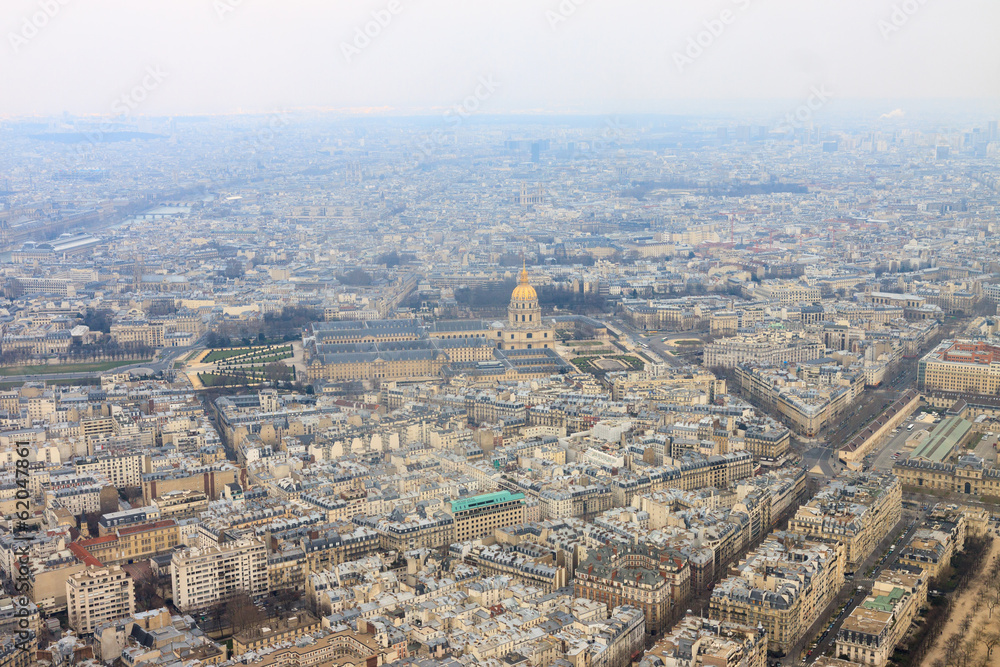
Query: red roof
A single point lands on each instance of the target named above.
(83, 555)
(94, 541)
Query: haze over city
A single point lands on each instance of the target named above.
(574, 56)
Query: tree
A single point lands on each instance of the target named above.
(284, 600)
(989, 640)
(243, 614)
(98, 320)
(390, 259)
(161, 307)
(356, 277)
(131, 494)
(234, 269)
(91, 519)
(146, 592)
(277, 371)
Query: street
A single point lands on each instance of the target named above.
(879, 557)
(654, 343)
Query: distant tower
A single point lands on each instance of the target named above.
(137, 270)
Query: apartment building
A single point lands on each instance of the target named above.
(806, 403)
(345, 647)
(138, 515)
(767, 442)
(277, 631)
(97, 427)
(787, 293)
(530, 564)
(202, 577)
(783, 586)
(133, 543)
(692, 472)
(772, 348)
(490, 408)
(932, 547)
(335, 547)
(97, 595)
(122, 470)
(859, 512)
(641, 576)
(134, 333)
(964, 366)
(477, 516)
(703, 642)
(401, 531)
(77, 499)
(181, 503)
(210, 479)
(870, 634)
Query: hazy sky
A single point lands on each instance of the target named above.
(594, 56)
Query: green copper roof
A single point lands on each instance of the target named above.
(484, 500)
(885, 602)
(943, 440)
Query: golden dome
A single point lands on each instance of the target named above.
(524, 291)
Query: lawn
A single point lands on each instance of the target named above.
(631, 361)
(218, 355)
(68, 368)
(78, 382)
(260, 360)
(246, 354)
(586, 363)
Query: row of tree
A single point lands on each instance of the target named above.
(285, 325)
(960, 648)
